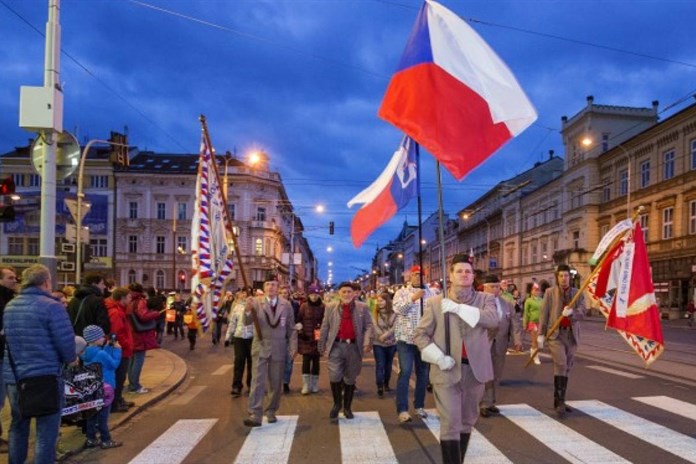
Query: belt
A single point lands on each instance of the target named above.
(346, 340)
(465, 360)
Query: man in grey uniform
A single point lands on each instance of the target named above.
(458, 378)
(273, 317)
(345, 334)
(563, 342)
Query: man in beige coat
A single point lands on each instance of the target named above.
(563, 342)
(509, 328)
(345, 334)
(460, 371)
(275, 319)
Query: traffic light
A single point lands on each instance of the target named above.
(182, 279)
(119, 149)
(8, 186)
(7, 211)
(331, 227)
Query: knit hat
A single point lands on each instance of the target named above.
(92, 333)
(314, 290)
(80, 344)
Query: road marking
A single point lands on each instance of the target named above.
(674, 442)
(668, 404)
(176, 443)
(188, 395)
(616, 372)
(364, 440)
(561, 439)
(222, 370)
(480, 450)
(270, 443)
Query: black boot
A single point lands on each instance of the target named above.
(337, 391)
(380, 390)
(450, 452)
(348, 400)
(558, 403)
(463, 443)
(564, 386)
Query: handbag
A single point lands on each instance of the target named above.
(140, 326)
(37, 396)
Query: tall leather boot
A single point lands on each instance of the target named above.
(337, 391)
(348, 400)
(450, 452)
(558, 402)
(463, 443)
(564, 387)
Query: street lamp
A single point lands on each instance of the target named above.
(227, 157)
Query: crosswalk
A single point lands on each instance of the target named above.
(273, 443)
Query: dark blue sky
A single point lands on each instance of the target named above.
(303, 80)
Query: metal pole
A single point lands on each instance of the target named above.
(78, 219)
(420, 222)
(443, 255)
(291, 269)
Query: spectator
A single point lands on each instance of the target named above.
(109, 356)
(142, 341)
(40, 339)
(157, 302)
(191, 322)
(240, 332)
(60, 296)
(384, 342)
(116, 304)
(221, 317)
(180, 308)
(87, 307)
(8, 286)
(311, 315)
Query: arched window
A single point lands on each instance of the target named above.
(159, 279)
(258, 247)
(131, 276)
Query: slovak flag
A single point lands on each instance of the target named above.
(389, 193)
(452, 94)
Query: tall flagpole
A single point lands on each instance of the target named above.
(420, 219)
(443, 264)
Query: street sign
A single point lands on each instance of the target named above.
(71, 204)
(67, 154)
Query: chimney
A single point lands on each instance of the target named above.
(550, 154)
(590, 100)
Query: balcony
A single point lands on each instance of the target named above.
(263, 225)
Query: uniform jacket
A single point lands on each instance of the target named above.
(509, 327)
(362, 324)
(551, 308)
(39, 335)
(431, 329)
(276, 341)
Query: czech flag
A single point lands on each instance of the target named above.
(452, 94)
(388, 194)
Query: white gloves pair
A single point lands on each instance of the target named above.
(434, 355)
(540, 342)
(469, 314)
(298, 326)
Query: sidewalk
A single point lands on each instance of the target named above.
(163, 372)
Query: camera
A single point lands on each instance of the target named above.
(112, 338)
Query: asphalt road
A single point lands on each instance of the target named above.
(625, 413)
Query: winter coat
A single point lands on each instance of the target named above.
(311, 316)
(93, 310)
(121, 326)
(108, 356)
(6, 295)
(38, 334)
(142, 341)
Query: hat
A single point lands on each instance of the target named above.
(80, 344)
(491, 279)
(172, 293)
(346, 284)
(92, 333)
(313, 290)
(416, 268)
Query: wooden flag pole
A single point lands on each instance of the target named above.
(443, 262)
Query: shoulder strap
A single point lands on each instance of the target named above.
(79, 311)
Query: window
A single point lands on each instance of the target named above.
(693, 154)
(181, 242)
(258, 247)
(524, 255)
(33, 246)
(159, 244)
(605, 142)
(159, 279)
(133, 210)
(231, 211)
(161, 211)
(555, 244)
(668, 166)
(644, 226)
(98, 246)
(645, 174)
(534, 254)
(18, 180)
(132, 244)
(181, 211)
(260, 213)
(99, 181)
(603, 230)
(692, 217)
(15, 246)
(606, 191)
(131, 276)
(34, 180)
(667, 221)
(623, 182)
(576, 239)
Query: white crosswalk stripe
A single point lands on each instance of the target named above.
(681, 408)
(222, 370)
(176, 443)
(655, 434)
(367, 430)
(480, 450)
(561, 439)
(270, 443)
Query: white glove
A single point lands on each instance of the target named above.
(433, 354)
(567, 311)
(469, 314)
(298, 326)
(540, 342)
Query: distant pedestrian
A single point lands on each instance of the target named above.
(179, 307)
(192, 325)
(690, 310)
(530, 320)
(240, 332)
(310, 316)
(384, 343)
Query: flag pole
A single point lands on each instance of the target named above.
(443, 263)
(587, 282)
(420, 219)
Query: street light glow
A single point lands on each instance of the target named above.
(254, 157)
(329, 249)
(320, 208)
(330, 263)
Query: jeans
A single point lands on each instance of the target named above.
(288, 368)
(135, 367)
(217, 330)
(99, 421)
(384, 356)
(408, 356)
(121, 374)
(46, 432)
